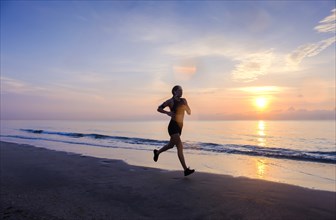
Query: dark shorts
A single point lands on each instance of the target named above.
(174, 128)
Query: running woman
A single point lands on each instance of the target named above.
(177, 106)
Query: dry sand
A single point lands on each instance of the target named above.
(43, 184)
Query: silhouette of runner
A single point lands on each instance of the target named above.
(177, 106)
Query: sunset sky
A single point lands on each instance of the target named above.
(119, 60)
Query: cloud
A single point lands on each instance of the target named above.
(313, 49)
(309, 50)
(253, 66)
(184, 72)
(328, 24)
(209, 46)
(185, 69)
(261, 89)
(289, 114)
(206, 91)
(10, 85)
(250, 65)
(51, 91)
(304, 114)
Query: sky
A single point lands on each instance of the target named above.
(110, 60)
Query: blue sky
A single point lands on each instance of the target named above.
(119, 60)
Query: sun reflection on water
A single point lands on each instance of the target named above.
(261, 134)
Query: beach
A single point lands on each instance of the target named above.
(284, 152)
(39, 183)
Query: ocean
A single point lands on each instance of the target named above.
(307, 143)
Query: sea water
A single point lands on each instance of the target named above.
(306, 149)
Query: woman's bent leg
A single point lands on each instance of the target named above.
(166, 147)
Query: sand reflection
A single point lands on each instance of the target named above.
(261, 168)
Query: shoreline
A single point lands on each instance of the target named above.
(37, 183)
(299, 173)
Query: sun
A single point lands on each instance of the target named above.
(261, 103)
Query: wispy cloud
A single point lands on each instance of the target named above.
(253, 66)
(51, 91)
(10, 85)
(207, 46)
(206, 91)
(328, 24)
(261, 89)
(309, 50)
(313, 49)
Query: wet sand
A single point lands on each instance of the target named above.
(38, 183)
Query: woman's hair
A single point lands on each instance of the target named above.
(175, 88)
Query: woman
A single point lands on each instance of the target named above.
(177, 106)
